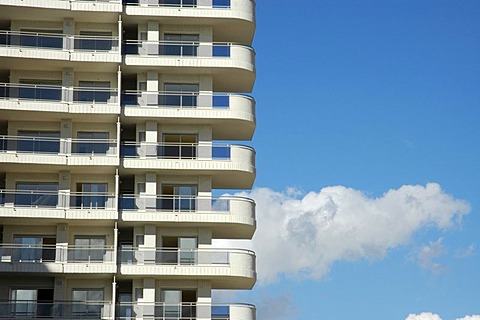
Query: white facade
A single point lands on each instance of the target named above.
(116, 122)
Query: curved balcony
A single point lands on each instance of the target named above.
(51, 46)
(231, 166)
(233, 65)
(58, 99)
(34, 309)
(75, 5)
(221, 110)
(226, 268)
(185, 310)
(227, 216)
(57, 151)
(235, 18)
(56, 259)
(57, 205)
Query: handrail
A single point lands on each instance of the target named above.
(189, 43)
(59, 35)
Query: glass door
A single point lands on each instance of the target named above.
(187, 250)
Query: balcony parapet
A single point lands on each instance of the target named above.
(227, 268)
(58, 205)
(58, 151)
(57, 259)
(22, 44)
(33, 309)
(185, 310)
(74, 5)
(27, 97)
(227, 216)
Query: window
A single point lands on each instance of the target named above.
(39, 141)
(89, 249)
(180, 45)
(94, 41)
(93, 91)
(40, 38)
(92, 143)
(88, 302)
(36, 194)
(178, 3)
(178, 304)
(31, 303)
(92, 195)
(178, 197)
(180, 95)
(33, 249)
(179, 146)
(38, 89)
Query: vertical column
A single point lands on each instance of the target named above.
(68, 31)
(204, 300)
(205, 194)
(205, 142)
(66, 136)
(60, 294)
(151, 190)
(153, 36)
(152, 88)
(149, 298)
(151, 137)
(64, 178)
(61, 254)
(67, 84)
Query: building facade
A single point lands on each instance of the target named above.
(116, 122)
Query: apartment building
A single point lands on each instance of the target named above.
(116, 158)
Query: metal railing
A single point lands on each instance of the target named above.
(221, 4)
(176, 150)
(23, 253)
(56, 41)
(38, 92)
(179, 256)
(45, 145)
(180, 48)
(32, 309)
(184, 311)
(53, 199)
(185, 204)
(179, 99)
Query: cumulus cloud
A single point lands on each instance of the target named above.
(279, 307)
(423, 316)
(472, 317)
(301, 236)
(427, 253)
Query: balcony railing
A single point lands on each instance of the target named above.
(177, 3)
(53, 41)
(184, 311)
(45, 93)
(176, 150)
(180, 99)
(41, 145)
(32, 309)
(178, 256)
(21, 253)
(180, 48)
(52, 199)
(186, 204)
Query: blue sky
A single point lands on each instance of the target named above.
(363, 97)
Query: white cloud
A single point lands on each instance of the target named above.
(423, 316)
(427, 253)
(302, 236)
(279, 307)
(465, 253)
(472, 317)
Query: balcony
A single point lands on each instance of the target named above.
(221, 110)
(57, 205)
(58, 99)
(233, 65)
(227, 216)
(33, 309)
(226, 268)
(185, 310)
(56, 259)
(231, 166)
(228, 17)
(21, 44)
(57, 151)
(74, 5)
